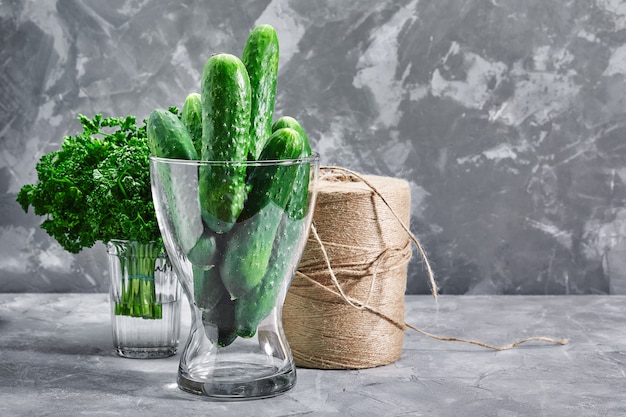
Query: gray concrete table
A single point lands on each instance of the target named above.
(56, 359)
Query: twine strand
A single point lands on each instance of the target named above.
(331, 272)
(429, 271)
(485, 345)
(359, 305)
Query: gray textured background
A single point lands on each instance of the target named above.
(507, 117)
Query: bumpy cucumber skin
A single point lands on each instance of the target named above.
(275, 183)
(191, 117)
(256, 304)
(248, 250)
(168, 137)
(260, 56)
(226, 105)
(288, 121)
(249, 246)
(297, 204)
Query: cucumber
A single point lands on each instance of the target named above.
(260, 56)
(274, 183)
(256, 304)
(168, 138)
(222, 318)
(249, 246)
(226, 105)
(192, 119)
(297, 204)
(288, 121)
(207, 287)
(202, 254)
(209, 293)
(248, 250)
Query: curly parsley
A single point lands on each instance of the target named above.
(97, 186)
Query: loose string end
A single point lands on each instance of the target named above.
(488, 346)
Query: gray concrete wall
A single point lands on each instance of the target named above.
(507, 118)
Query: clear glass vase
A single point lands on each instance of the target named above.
(145, 300)
(235, 233)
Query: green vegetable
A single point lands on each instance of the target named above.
(297, 204)
(138, 295)
(208, 287)
(192, 119)
(202, 254)
(96, 187)
(226, 104)
(249, 246)
(209, 294)
(248, 251)
(216, 306)
(168, 138)
(223, 316)
(256, 304)
(260, 56)
(288, 121)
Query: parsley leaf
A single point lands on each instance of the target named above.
(97, 186)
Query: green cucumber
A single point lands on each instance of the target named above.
(274, 182)
(249, 245)
(209, 293)
(192, 119)
(168, 138)
(222, 318)
(297, 204)
(202, 254)
(260, 56)
(226, 105)
(256, 304)
(207, 287)
(288, 121)
(248, 250)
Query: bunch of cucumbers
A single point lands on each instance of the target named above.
(239, 234)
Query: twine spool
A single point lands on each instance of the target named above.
(369, 251)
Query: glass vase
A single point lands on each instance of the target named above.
(235, 233)
(145, 300)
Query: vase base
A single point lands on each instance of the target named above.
(229, 385)
(145, 353)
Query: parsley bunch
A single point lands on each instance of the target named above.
(97, 186)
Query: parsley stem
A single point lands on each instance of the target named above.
(138, 298)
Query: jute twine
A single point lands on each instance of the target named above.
(345, 306)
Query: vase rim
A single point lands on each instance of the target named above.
(315, 157)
